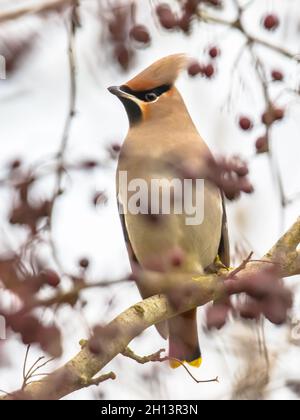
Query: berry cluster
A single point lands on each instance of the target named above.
(271, 115)
(206, 70)
(263, 294)
(169, 20)
(230, 175)
(33, 331)
(125, 33)
(25, 213)
(26, 286)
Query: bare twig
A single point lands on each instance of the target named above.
(241, 267)
(99, 380)
(71, 31)
(190, 373)
(46, 6)
(261, 75)
(31, 373)
(24, 366)
(237, 24)
(155, 357)
(67, 297)
(5, 392)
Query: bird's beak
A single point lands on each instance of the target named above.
(117, 91)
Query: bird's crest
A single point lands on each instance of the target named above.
(163, 72)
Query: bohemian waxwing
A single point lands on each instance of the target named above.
(161, 142)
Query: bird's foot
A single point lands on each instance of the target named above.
(217, 266)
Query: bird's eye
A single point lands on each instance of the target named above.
(150, 97)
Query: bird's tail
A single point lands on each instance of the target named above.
(183, 340)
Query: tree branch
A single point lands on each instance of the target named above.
(237, 24)
(72, 27)
(155, 357)
(100, 379)
(46, 6)
(80, 371)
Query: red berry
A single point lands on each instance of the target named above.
(84, 263)
(272, 115)
(262, 145)
(95, 346)
(245, 123)
(215, 2)
(15, 164)
(271, 22)
(116, 148)
(100, 198)
(123, 55)
(30, 328)
(191, 6)
(50, 277)
(50, 340)
(140, 34)
(279, 114)
(89, 164)
(216, 316)
(185, 22)
(209, 71)
(117, 31)
(267, 118)
(194, 69)
(177, 257)
(277, 76)
(251, 309)
(166, 17)
(214, 52)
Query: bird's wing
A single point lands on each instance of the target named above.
(224, 249)
(132, 257)
(162, 327)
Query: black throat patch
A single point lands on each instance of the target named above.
(134, 112)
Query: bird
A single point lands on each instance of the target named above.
(161, 140)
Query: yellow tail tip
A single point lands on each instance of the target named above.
(174, 364)
(196, 363)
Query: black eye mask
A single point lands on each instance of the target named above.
(147, 95)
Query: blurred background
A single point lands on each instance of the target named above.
(60, 133)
